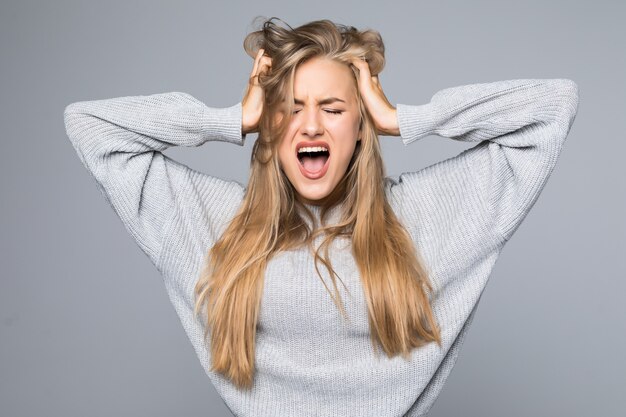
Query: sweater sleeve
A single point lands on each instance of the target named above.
(519, 125)
(120, 141)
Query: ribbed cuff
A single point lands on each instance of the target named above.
(415, 122)
(224, 124)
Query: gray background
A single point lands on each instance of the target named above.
(86, 327)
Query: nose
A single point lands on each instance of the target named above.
(311, 124)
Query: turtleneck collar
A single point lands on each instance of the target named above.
(333, 215)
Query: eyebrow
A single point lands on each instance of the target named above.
(327, 100)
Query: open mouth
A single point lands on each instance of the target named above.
(313, 161)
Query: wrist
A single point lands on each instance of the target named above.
(389, 125)
(416, 121)
(394, 127)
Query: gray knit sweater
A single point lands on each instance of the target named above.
(460, 212)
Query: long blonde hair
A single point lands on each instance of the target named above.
(395, 282)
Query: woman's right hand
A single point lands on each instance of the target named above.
(252, 103)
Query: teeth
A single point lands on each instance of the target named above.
(312, 149)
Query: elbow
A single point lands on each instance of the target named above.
(75, 116)
(78, 123)
(559, 111)
(72, 108)
(70, 121)
(568, 102)
(562, 106)
(69, 116)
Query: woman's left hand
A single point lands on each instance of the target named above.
(382, 112)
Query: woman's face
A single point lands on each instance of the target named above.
(325, 124)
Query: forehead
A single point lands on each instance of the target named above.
(323, 77)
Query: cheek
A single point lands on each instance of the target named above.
(285, 148)
(349, 132)
(344, 155)
(348, 129)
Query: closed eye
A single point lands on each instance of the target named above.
(327, 111)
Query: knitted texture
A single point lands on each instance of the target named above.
(309, 361)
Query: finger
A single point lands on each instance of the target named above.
(361, 64)
(257, 59)
(364, 73)
(265, 64)
(357, 62)
(260, 67)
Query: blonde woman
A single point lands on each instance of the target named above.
(250, 269)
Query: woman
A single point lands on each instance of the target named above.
(413, 254)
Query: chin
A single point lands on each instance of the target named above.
(313, 198)
(313, 192)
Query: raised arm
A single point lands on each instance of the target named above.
(520, 126)
(121, 140)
